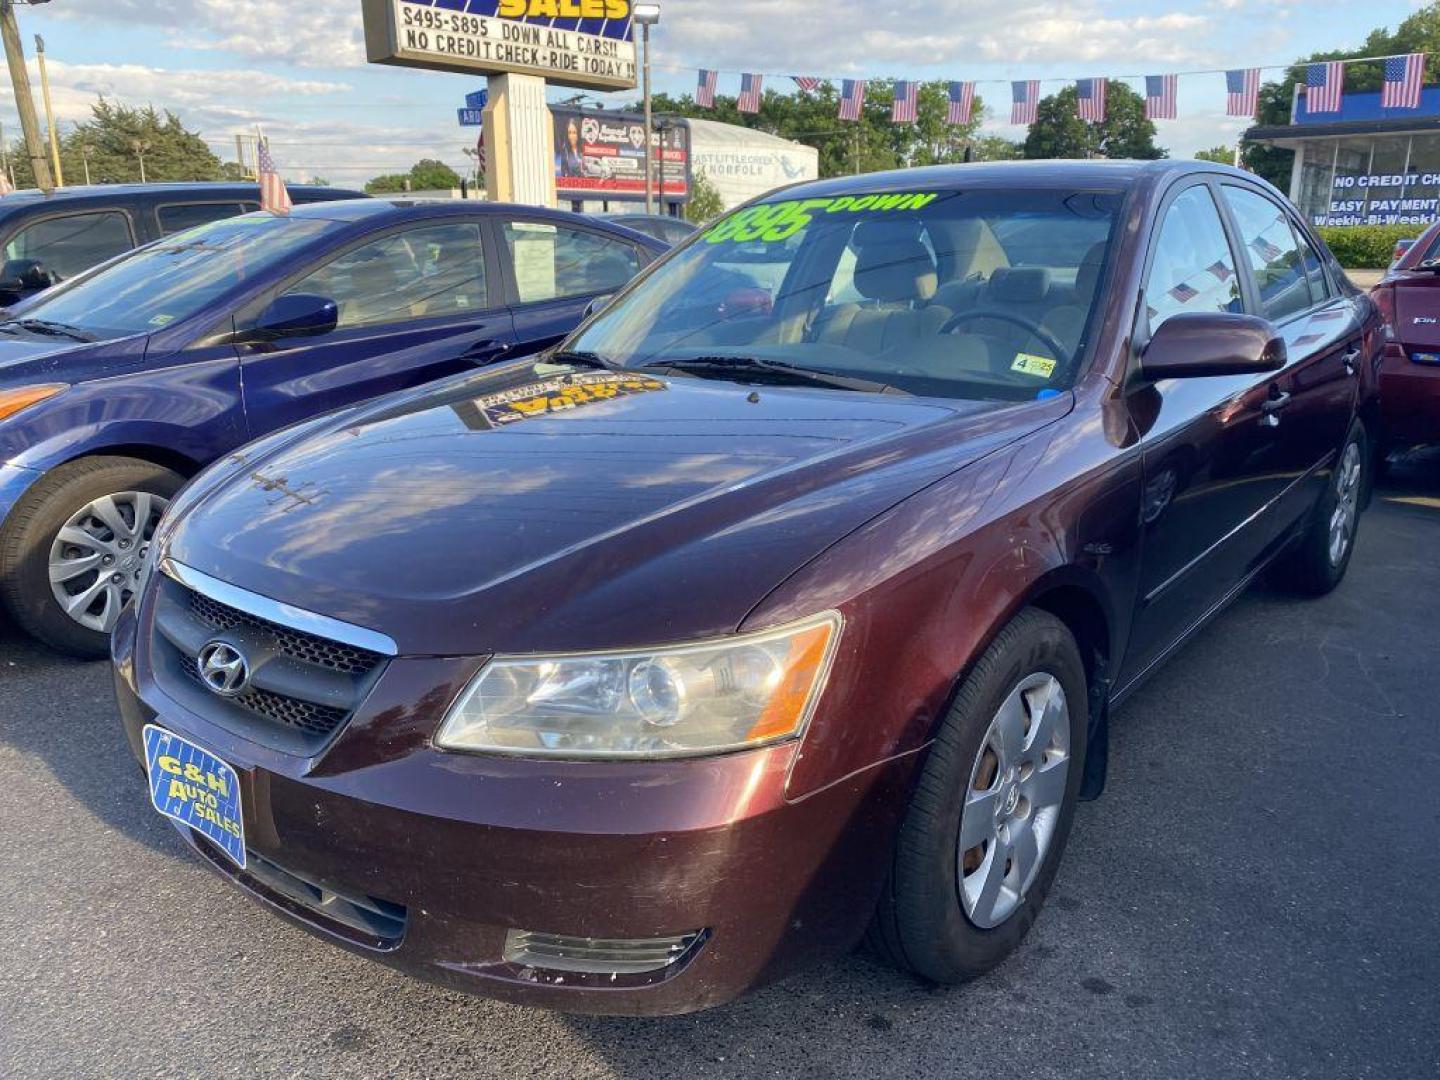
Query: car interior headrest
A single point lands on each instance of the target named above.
(892, 263)
(1018, 285)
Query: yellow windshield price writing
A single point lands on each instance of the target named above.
(773, 222)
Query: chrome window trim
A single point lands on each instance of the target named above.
(262, 607)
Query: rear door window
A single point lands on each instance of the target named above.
(555, 261)
(72, 243)
(177, 217)
(1274, 254)
(1193, 268)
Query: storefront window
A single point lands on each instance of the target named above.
(1384, 180)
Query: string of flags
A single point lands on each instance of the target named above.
(1324, 92)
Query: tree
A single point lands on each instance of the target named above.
(1418, 33)
(845, 147)
(427, 174)
(1221, 155)
(705, 202)
(1058, 131)
(114, 139)
(995, 148)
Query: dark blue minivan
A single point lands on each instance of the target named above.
(117, 386)
(50, 237)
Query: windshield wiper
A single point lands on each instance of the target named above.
(52, 329)
(585, 358)
(729, 366)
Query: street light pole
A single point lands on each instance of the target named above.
(140, 146)
(24, 102)
(49, 112)
(647, 15)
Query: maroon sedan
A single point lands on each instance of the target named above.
(1409, 301)
(631, 679)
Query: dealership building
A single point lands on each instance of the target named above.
(1363, 165)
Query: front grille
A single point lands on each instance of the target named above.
(306, 716)
(309, 648)
(303, 687)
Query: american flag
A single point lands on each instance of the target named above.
(273, 195)
(1324, 86)
(749, 100)
(705, 88)
(807, 83)
(1184, 293)
(1024, 100)
(1220, 270)
(852, 99)
(480, 159)
(962, 102)
(1403, 76)
(1090, 104)
(1242, 92)
(1265, 249)
(902, 109)
(1160, 96)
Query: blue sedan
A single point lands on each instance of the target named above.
(119, 385)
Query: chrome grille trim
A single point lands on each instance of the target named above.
(262, 607)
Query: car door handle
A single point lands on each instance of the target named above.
(1271, 407)
(1351, 360)
(486, 352)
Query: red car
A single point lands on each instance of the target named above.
(1409, 300)
(632, 678)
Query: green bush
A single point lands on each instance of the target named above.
(1366, 247)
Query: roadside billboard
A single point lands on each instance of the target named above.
(585, 43)
(601, 155)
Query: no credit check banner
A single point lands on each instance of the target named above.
(569, 42)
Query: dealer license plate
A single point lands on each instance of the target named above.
(194, 787)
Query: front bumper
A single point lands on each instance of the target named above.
(457, 850)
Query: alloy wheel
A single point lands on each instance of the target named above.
(1012, 806)
(1347, 502)
(101, 554)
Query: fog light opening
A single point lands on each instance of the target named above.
(595, 956)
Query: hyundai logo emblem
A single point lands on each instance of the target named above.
(224, 669)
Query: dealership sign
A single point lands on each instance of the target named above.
(601, 155)
(586, 43)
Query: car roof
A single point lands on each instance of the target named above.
(28, 197)
(1008, 174)
(401, 209)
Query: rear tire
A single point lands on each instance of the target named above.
(29, 543)
(933, 917)
(1317, 563)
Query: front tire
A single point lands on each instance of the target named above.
(76, 546)
(1318, 562)
(983, 838)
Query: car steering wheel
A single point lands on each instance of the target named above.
(1034, 329)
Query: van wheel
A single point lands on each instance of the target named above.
(987, 826)
(1319, 560)
(76, 547)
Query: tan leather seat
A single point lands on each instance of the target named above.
(895, 272)
(1067, 321)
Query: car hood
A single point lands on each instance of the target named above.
(18, 354)
(510, 512)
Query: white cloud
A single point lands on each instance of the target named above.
(320, 33)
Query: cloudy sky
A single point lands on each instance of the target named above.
(298, 69)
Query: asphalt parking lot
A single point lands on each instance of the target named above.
(1256, 894)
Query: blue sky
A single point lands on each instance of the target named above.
(299, 70)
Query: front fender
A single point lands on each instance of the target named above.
(15, 480)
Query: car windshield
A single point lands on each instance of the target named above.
(170, 280)
(985, 293)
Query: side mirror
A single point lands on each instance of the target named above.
(296, 315)
(25, 275)
(1200, 343)
(598, 304)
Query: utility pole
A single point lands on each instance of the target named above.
(85, 151)
(49, 112)
(140, 146)
(24, 102)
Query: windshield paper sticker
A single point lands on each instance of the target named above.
(562, 394)
(1042, 367)
(782, 220)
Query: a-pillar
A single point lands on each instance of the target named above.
(519, 142)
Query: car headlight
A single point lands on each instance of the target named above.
(704, 698)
